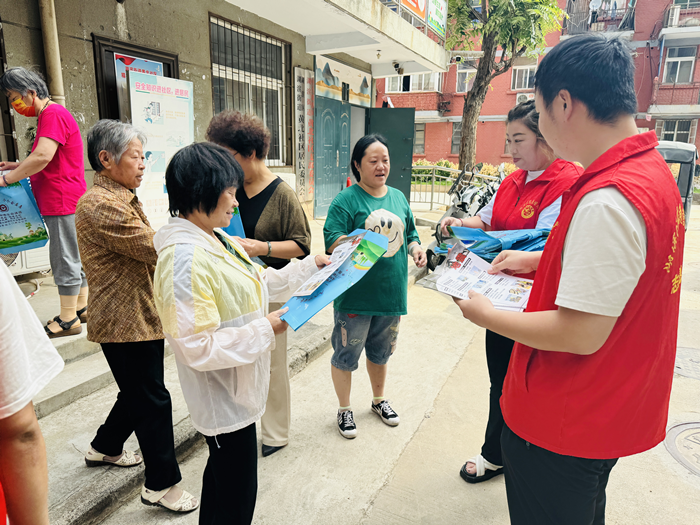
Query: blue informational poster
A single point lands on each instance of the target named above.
(21, 225)
(350, 262)
(489, 245)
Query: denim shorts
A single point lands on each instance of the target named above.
(377, 334)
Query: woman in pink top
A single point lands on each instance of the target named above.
(58, 181)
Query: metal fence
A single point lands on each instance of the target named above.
(431, 188)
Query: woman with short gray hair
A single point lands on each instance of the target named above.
(116, 245)
(57, 174)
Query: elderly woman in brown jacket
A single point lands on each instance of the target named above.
(116, 247)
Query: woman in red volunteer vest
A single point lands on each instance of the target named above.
(527, 198)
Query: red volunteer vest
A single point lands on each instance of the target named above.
(615, 402)
(518, 205)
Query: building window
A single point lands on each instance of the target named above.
(466, 71)
(419, 139)
(415, 83)
(677, 130)
(250, 73)
(523, 78)
(687, 4)
(679, 65)
(456, 137)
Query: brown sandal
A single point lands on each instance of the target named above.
(66, 328)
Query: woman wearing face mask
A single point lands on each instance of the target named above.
(367, 316)
(528, 198)
(58, 181)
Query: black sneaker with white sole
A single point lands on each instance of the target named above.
(346, 424)
(386, 413)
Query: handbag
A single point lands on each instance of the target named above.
(21, 225)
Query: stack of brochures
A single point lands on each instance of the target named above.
(489, 245)
(463, 271)
(350, 261)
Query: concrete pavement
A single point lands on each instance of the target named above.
(438, 384)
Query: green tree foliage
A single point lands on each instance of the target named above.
(516, 27)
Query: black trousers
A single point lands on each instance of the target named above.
(143, 406)
(498, 350)
(545, 488)
(230, 483)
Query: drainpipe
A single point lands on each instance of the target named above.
(52, 54)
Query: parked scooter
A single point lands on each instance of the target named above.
(467, 200)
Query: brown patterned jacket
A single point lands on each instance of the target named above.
(116, 248)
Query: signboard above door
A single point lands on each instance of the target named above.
(340, 82)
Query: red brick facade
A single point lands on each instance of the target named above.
(649, 21)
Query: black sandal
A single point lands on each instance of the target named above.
(66, 328)
(82, 314)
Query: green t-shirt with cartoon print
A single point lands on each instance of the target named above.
(384, 290)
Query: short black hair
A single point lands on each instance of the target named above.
(358, 152)
(197, 175)
(595, 70)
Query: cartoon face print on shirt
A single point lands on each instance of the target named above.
(389, 225)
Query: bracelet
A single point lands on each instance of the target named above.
(269, 249)
(461, 222)
(5, 180)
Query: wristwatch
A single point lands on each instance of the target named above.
(269, 249)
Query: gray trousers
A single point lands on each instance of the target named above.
(64, 255)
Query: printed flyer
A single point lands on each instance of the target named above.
(463, 271)
(350, 261)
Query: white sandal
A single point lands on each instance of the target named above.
(127, 459)
(186, 503)
(485, 470)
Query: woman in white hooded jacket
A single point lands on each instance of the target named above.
(212, 301)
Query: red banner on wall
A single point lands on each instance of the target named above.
(417, 7)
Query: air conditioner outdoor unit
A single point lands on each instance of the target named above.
(29, 261)
(524, 97)
(674, 14)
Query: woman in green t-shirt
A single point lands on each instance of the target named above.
(367, 316)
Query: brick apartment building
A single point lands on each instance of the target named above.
(665, 35)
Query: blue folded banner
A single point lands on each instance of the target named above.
(489, 245)
(21, 225)
(350, 262)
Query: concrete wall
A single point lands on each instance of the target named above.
(176, 26)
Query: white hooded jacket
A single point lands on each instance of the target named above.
(213, 313)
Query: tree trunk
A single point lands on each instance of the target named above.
(475, 99)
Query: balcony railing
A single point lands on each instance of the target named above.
(675, 94)
(684, 13)
(580, 19)
(407, 14)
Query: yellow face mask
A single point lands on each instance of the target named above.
(21, 108)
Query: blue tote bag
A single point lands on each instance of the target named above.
(21, 225)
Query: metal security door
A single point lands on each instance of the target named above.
(397, 127)
(344, 164)
(332, 151)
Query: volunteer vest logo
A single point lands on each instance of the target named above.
(529, 209)
(389, 225)
(677, 277)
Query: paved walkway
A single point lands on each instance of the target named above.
(438, 384)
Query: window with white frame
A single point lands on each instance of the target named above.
(456, 137)
(677, 130)
(415, 82)
(466, 71)
(679, 66)
(523, 77)
(419, 139)
(250, 72)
